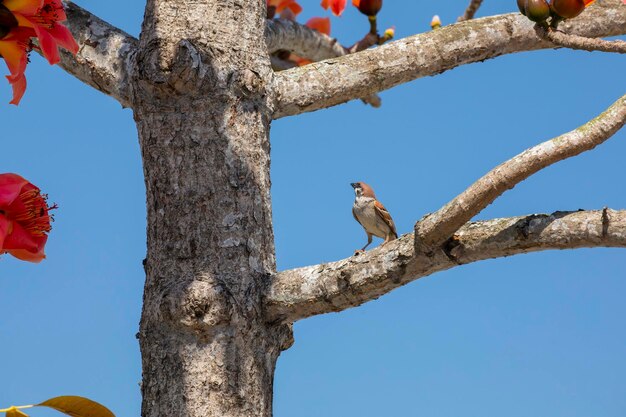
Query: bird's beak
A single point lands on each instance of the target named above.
(354, 184)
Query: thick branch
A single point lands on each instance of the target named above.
(435, 228)
(283, 34)
(336, 286)
(580, 42)
(470, 11)
(338, 80)
(104, 58)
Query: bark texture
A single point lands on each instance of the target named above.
(105, 58)
(338, 80)
(336, 286)
(435, 228)
(202, 115)
(580, 42)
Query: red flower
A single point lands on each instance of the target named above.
(24, 219)
(44, 17)
(281, 5)
(14, 48)
(336, 6)
(321, 24)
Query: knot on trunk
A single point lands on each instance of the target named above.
(247, 83)
(201, 306)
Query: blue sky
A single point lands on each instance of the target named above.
(539, 334)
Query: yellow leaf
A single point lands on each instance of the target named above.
(15, 412)
(77, 406)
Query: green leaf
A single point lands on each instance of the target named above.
(76, 407)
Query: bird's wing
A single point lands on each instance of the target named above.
(382, 212)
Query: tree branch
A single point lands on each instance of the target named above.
(104, 58)
(284, 34)
(437, 227)
(580, 42)
(336, 286)
(470, 11)
(338, 80)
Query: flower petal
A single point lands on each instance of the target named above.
(53, 10)
(5, 226)
(19, 88)
(321, 24)
(19, 238)
(26, 7)
(336, 6)
(14, 55)
(64, 37)
(10, 187)
(25, 255)
(47, 44)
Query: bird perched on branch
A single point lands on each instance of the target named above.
(372, 215)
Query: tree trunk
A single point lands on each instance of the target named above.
(202, 113)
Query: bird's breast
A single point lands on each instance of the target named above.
(366, 215)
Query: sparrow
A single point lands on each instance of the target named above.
(372, 215)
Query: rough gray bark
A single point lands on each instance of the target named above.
(216, 314)
(336, 286)
(104, 60)
(203, 119)
(435, 228)
(580, 42)
(338, 80)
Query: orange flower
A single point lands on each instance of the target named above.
(285, 4)
(44, 17)
(321, 24)
(24, 219)
(14, 48)
(336, 6)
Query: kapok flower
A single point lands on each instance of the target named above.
(281, 5)
(14, 48)
(24, 218)
(336, 6)
(44, 17)
(321, 24)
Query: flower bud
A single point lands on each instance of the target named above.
(567, 9)
(368, 7)
(435, 23)
(537, 10)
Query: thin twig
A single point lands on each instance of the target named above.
(565, 40)
(470, 11)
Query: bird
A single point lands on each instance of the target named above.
(372, 215)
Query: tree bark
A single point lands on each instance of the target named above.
(203, 120)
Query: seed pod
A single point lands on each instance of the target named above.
(537, 10)
(567, 9)
(521, 5)
(369, 7)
